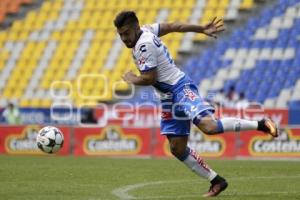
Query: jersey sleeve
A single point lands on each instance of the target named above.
(147, 57)
(153, 28)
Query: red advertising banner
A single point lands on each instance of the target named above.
(213, 146)
(256, 144)
(22, 140)
(117, 141)
(112, 141)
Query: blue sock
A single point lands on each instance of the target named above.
(220, 128)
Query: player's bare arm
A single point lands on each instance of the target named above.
(210, 29)
(146, 78)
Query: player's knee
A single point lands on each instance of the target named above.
(208, 128)
(177, 151)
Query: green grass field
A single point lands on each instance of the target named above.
(95, 178)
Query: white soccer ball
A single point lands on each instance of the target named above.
(50, 139)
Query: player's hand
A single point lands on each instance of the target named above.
(212, 28)
(129, 77)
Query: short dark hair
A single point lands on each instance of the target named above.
(125, 18)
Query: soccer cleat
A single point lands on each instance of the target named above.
(269, 127)
(216, 189)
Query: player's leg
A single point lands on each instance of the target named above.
(206, 122)
(202, 115)
(179, 148)
(177, 132)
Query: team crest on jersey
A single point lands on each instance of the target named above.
(190, 94)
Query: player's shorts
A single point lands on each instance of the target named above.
(184, 107)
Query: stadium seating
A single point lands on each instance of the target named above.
(260, 58)
(61, 52)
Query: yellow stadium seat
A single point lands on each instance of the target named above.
(24, 102)
(45, 103)
(17, 25)
(212, 4)
(247, 4)
(4, 54)
(56, 5)
(220, 13)
(38, 24)
(46, 84)
(46, 6)
(223, 4)
(42, 17)
(122, 86)
(2, 64)
(206, 19)
(200, 37)
(31, 16)
(18, 93)
(7, 93)
(209, 13)
(12, 36)
(23, 35)
(53, 15)
(71, 25)
(35, 103)
(180, 4)
(3, 36)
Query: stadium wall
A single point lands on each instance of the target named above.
(143, 116)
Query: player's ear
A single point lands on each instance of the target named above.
(137, 26)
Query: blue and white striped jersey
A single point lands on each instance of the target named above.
(150, 53)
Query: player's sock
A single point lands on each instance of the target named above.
(193, 161)
(236, 124)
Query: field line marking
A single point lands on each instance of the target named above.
(123, 192)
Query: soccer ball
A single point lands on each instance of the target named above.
(50, 139)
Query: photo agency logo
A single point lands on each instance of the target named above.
(71, 100)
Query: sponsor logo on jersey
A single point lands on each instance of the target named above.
(286, 144)
(112, 141)
(143, 48)
(24, 142)
(166, 115)
(141, 61)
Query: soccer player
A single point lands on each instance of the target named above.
(181, 102)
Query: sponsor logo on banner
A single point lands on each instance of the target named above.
(112, 141)
(210, 146)
(24, 143)
(287, 144)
